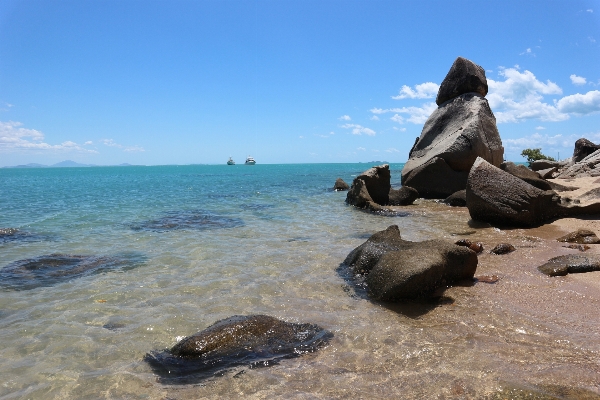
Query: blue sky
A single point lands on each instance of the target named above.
(185, 82)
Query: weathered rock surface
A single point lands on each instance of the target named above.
(588, 166)
(464, 77)
(582, 236)
(547, 173)
(49, 270)
(453, 137)
(398, 269)
(570, 264)
(583, 148)
(403, 196)
(545, 164)
(340, 185)
(497, 197)
(254, 340)
(457, 199)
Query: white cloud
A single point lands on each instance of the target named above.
(425, 90)
(577, 80)
(345, 118)
(374, 118)
(129, 149)
(398, 118)
(301, 137)
(417, 115)
(520, 96)
(399, 129)
(13, 137)
(589, 10)
(591, 39)
(392, 150)
(361, 149)
(359, 130)
(539, 128)
(564, 143)
(89, 142)
(527, 52)
(580, 104)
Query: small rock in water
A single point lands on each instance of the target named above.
(580, 247)
(113, 326)
(340, 185)
(476, 247)
(14, 234)
(253, 341)
(570, 264)
(503, 248)
(582, 236)
(52, 269)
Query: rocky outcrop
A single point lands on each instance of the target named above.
(340, 185)
(570, 264)
(588, 166)
(397, 269)
(403, 196)
(582, 236)
(377, 183)
(461, 129)
(236, 341)
(500, 198)
(464, 77)
(531, 177)
(583, 148)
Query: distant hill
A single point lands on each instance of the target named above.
(69, 163)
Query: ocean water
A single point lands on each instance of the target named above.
(173, 249)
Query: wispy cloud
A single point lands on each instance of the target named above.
(527, 52)
(416, 115)
(130, 149)
(359, 129)
(13, 137)
(345, 118)
(392, 150)
(361, 149)
(577, 80)
(425, 90)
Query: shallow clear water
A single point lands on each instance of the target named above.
(267, 239)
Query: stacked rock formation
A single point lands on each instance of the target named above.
(461, 129)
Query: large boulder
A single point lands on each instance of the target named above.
(539, 165)
(456, 133)
(398, 269)
(500, 198)
(532, 177)
(239, 340)
(464, 77)
(376, 181)
(583, 148)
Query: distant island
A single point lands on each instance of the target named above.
(66, 164)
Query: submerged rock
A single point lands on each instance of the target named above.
(340, 185)
(570, 264)
(252, 341)
(582, 236)
(398, 269)
(503, 248)
(17, 235)
(49, 270)
(188, 219)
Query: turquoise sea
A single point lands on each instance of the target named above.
(180, 247)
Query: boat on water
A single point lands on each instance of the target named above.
(250, 161)
(230, 161)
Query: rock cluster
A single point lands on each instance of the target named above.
(461, 129)
(398, 269)
(372, 189)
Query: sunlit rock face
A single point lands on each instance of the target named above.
(461, 129)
